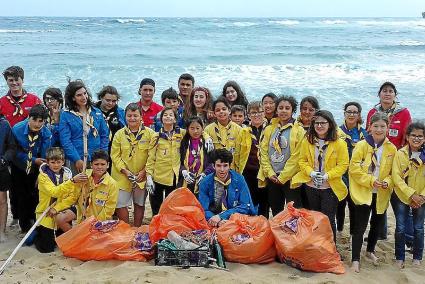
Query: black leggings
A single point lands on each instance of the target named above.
(362, 213)
(158, 197)
(278, 194)
(325, 201)
(258, 195)
(340, 215)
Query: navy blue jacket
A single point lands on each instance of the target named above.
(20, 132)
(7, 141)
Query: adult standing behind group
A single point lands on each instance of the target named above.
(185, 83)
(79, 106)
(399, 118)
(147, 105)
(53, 100)
(16, 104)
(113, 114)
(15, 107)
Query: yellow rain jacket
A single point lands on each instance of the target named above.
(64, 194)
(335, 165)
(361, 181)
(291, 165)
(129, 155)
(415, 174)
(101, 199)
(163, 162)
(223, 136)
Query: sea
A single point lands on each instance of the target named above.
(335, 59)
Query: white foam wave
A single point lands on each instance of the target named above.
(418, 23)
(245, 24)
(334, 22)
(285, 22)
(411, 43)
(17, 31)
(133, 21)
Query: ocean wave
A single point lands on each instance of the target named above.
(17, 31)
(412, 43)
(333, 22)
(245, 24)
(131, 21)
(417, 23)
(285, 22)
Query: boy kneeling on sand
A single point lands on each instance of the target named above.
(99, 195)
(224, 192)
(55, 183)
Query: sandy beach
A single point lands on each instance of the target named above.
(30, 266)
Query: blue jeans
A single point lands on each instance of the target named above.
(402, 214)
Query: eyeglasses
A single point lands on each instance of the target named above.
(417, 137)
(320, 123)
(349, 113)
(254, 113)
(49, 99)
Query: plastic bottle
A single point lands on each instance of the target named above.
(179, 242)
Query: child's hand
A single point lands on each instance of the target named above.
(79, 165)
(39, 161)
(417, 200)
(141, 176)
(126, 172)
(80, 178)
(377, 184)
(384, 185)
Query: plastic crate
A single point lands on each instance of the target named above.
(182, 258)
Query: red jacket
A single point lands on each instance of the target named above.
(399, 121)
(149, 115)
(8, 109)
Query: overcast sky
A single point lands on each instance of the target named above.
(214, 8)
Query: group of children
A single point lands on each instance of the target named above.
(233, 155)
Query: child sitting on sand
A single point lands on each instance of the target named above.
(55, 184)
(224, 192)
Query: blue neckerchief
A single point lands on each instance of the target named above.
(371, 142)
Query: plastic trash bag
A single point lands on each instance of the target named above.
(103, 240)
(304, 240)
(180, 212)
(247, 239)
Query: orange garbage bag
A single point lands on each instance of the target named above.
(180, 212)
(247, 239)
(304, 240)
(104, 240)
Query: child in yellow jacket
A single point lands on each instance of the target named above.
(129, 154)
(323, 160)
(279, 154)
(408, 174)
(55, 184)
(223, 132)
(163, 164)
(99, 195)
(370, 186)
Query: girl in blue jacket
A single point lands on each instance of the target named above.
(79, 105)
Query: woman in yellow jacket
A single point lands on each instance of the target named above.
(163, 164)
(55, 184)
(370, 186)
(323, 160)
(279, 153)
(98, 197)
(129, 154)
(223, 132)
(408, 175)
(247, 154)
